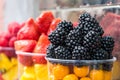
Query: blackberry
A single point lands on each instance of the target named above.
(91, 40)
(50, 51)
(99, 55)
(80, 53)
(62, 53)
(107, 66)
(90, 23)
(107, 43)
(73, 38)
(59, 35)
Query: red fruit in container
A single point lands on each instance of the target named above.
(44, 21)
(25, 60)
(41, 48)
(4, 42)
(39, 59)
(6, 35)
(75, 24)
(42, 44)
(28, 31)
(25, 45)
(11, 41)
(53, 25)
(13, 28)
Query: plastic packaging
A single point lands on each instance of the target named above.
(32, 66)
(59, 69)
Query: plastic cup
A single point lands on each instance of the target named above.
(59, 69)
(8, 63)
(32, 66)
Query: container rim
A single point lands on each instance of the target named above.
(29, 53)
(8, 48)
(80, 61)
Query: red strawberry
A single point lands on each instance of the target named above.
(39, 59)
(53, 25)
(28, 31)
(44, 21)
(12, 40)
(42, 44)
(25, 45)
(4, 42)
(6, 35)
(13, 28)
(26, 60)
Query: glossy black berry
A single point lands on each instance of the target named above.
(99, 55)
(91, 40)
(50, 51)
(107, 43)
(80, 53)
(62, 53)
(58, 36)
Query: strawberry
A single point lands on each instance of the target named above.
(28, 31)
(4, 42)
(53, 25)
(25, 45)
(25, 60)
(11, 41)
(13, 28)
(6, 35)
(44, 21)
(42, 44)
(39, 59)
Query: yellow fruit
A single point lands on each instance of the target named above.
(60, 71)
(28, 74)
(11, 74)
(51, 77)
(5, 63)
(97, 75)
(81, 71)
(70, 77)
(108, 75)
(85, 78)
(41, 71)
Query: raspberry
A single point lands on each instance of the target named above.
(62, 53)
(50, 51)
(99, 55)
(62, 30)
(80, 53)
(107, 43)
(91, 40)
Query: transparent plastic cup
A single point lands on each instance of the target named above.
(32, 66)
(59, 69)
(8, 63)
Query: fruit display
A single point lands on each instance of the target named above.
(8, 58)
(31, 46)
(80, 53)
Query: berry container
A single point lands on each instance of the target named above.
(32, 66)
(59, 69)
(8, 64)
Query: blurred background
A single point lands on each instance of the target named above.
(20, 10)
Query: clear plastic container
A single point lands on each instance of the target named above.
(8, 63)
(59, 69)
(32, 66)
